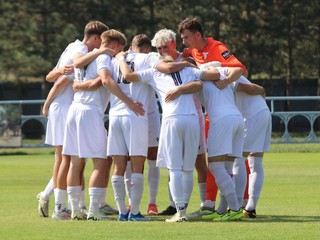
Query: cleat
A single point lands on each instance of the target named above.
(232, 215)
(83, 210)
(108, 210)
(201, 212)
(179, 217)
(169, 211)
(62, 215)
(249, 213)
(138, 218)
(77, 215)
(213, 216)
(43, 206)
(123, 217)
(98, 216)
(152, 209)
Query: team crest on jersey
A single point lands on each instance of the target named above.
(205, 54)
(226, 54)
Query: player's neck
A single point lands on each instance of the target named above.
(202, 44)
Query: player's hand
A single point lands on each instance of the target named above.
(121, 54)
(107, 50)
(172, 95)
(221, 84)
(137, 108)
(75, 86)
(67, 69)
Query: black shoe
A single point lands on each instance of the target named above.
(249, 214)
(169, 211)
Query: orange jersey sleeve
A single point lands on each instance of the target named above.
(216, 51)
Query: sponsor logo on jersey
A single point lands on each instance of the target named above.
(226, 54)
(205, 54)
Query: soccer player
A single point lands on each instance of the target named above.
(165, 42)
(56, 107)
(86, 136)
(204, 50)
(249, 99)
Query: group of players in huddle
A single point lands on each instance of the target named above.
(213, 119)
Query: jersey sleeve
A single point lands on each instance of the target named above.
(103, 62)
(227, 59)
(146, 75)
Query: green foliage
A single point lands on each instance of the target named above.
(271, 37)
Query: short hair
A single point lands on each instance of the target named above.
(94, 28)
(191, 24)
(113, 35)
(163, 36)
(141, 41)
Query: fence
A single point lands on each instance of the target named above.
(22, 125)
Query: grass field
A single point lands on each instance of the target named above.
(289, 207)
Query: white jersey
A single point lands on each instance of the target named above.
(140, 91)
(248, 105)
(99, 97)
(162, 83)
(66, 95)
(218, 103)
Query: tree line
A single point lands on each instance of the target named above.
(275, 39)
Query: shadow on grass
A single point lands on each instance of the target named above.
(270, 219)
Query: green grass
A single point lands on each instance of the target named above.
(289, 207)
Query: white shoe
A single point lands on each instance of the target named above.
(43, 206)
(77, 215)
(98, 216)
(180, 216)
(63, 215)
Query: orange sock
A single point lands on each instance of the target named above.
(211, 187)
(246, 194)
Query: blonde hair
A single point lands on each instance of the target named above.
(163, 36)
(113, 35)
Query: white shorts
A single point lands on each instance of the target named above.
(179, 141)
(257, 133)
(128, 135)
(85, 134)
(154, 128)
(57, 117)
(202, 140)
(225, 137)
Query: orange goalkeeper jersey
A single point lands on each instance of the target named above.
(215, 51)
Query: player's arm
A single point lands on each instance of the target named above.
(54, 92)
(81, 60)
(189, 88)
(233, 73)
(251, 89)
(89, 85)
(171, 67)
(57, 72)
(113, 87)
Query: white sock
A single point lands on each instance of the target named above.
(223, 204)
(136, 191)
(60, 198)
(82, 200)
(103, 197)
(225, 184)
(127, 180)
(240, 178)
(153, 180)
(119, 193)
(209, 203)
(229, 167)
(74, 196)
(176, 189)
(256, 179)
(95, 195)
(48, 191)
(187, 183)
(202, 191)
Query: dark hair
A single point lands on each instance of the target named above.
(94, 28)
(141, 40)
(191, 24)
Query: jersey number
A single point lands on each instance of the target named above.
(120, 77)
(176, 78)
